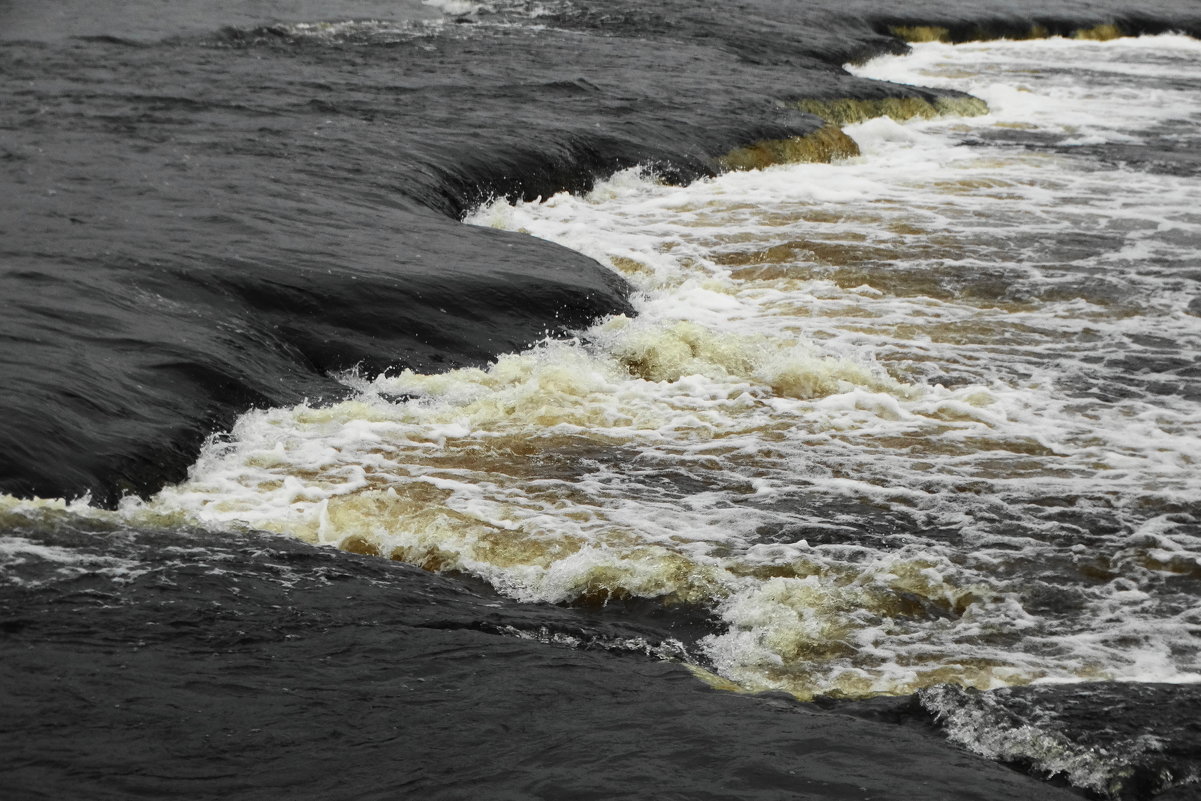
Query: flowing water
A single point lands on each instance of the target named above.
(927, 414)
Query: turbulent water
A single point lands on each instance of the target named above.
(923, 418)
(926, 414)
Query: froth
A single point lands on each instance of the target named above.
(877, 414)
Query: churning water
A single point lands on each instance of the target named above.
(927, 414)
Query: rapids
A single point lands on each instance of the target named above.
(925, 414)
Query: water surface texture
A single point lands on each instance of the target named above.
(927, 414)
(898, 422)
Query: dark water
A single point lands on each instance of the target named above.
(209, 210)
(154, 663)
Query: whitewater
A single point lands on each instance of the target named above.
(925, 414)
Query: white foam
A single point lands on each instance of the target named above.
(982, 725)
(20, 552)
(852, 398)
(1061, 84)
(455, 7)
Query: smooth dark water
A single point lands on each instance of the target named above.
(152, 663)
(211, 210)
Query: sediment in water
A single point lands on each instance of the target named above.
(329, 267)
(242, 212)
(322, 674)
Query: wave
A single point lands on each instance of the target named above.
(229, 221)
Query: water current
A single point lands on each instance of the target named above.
(927, 414)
